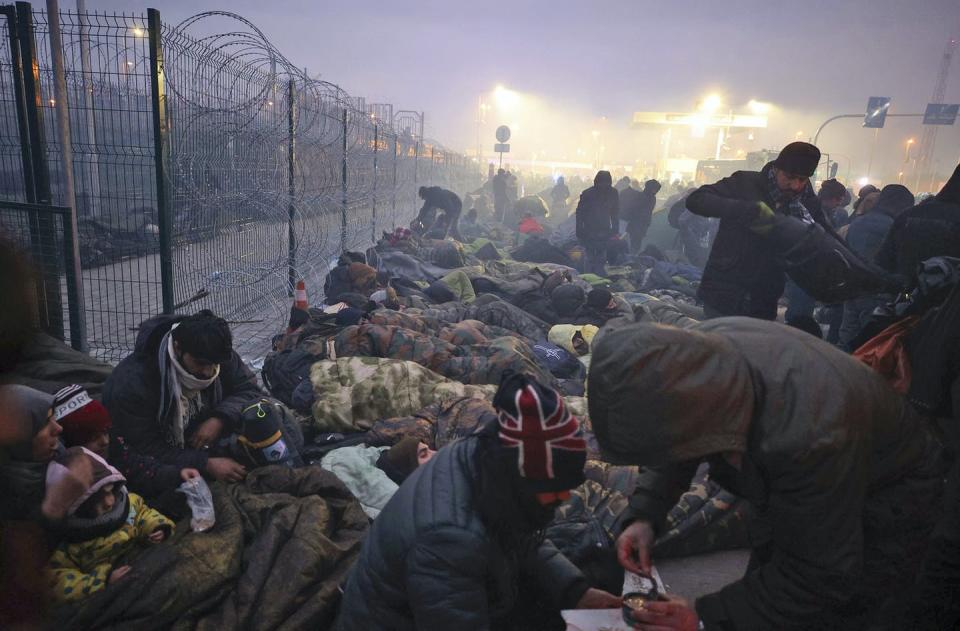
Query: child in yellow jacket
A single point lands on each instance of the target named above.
(101, 528)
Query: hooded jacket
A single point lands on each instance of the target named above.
(598, 211)
(22, 484)
(132, 395)
(821, 437)
(431, 561)
(931, 228)
(81, 565)
(741, 276)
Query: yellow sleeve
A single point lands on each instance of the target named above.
(69, 584)
(146, 520)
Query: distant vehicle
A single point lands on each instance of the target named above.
(709, 171)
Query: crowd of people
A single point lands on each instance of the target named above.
(490, 417)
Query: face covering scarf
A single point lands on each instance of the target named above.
(180, 389)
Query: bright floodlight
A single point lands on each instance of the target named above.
(711, 103)
(864, 181)
(758, 107)
(506, 99)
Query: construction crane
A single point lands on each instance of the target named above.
(929, 138)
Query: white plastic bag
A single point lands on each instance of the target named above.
(200, 501)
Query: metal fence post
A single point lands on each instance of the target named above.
(78, 321)
(416, 172)
(343, 187)
(393, 201)
(37, 177)
(376, 141)
(161, 154)
(291, 190)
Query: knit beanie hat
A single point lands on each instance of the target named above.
(566, 299)
(599, 298)
(400, 461)
(81, 417)
(539, 435)
(799, 158)
(262, 434)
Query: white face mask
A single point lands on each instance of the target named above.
(187, 380)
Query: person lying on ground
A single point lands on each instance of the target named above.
(104, 526)
(478, 558)
(845, 476)
(181, 392)
(86, 423)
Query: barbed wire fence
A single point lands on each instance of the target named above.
(210, 171)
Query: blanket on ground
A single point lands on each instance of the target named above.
(283, 543)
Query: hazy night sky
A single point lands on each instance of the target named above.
(586, 60)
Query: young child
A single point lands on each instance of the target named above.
(86, 423)
(102, 527)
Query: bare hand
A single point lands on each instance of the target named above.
(118, 573)
(599, 599)
(672, 614)
(157, 536)
(188, 474)
(226, 469)
(207, 434)
(633, 547)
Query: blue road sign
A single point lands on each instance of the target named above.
(941, 114)
(876, 115)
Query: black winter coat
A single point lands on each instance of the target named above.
(132, 396)
(742, 276)
(430, 563)
(598, 213)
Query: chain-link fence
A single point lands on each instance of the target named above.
(209, 171)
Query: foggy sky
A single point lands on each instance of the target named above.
(812, 58)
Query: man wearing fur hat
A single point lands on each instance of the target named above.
(742, 276)
(460, 545)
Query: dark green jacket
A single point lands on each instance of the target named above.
(821, 435)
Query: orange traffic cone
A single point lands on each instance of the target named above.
(300, 296)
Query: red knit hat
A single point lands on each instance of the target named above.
(541, 433)
(81, 417)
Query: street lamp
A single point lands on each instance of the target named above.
(906, 157)
(711, 103)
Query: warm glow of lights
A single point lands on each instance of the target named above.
(506, 99)
(759, 107)
(711, 103)
(911, 141)
(136, 31)
(863, 181)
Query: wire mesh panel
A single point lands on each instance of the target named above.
(268, 174)
(42, 233)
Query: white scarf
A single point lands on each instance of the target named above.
(186, 392)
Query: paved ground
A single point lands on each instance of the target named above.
(695, 576)
(243, 271)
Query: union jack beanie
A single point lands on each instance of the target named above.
(540, 434)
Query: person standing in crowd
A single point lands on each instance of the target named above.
(931, 228)
(636, 207)
(622, 184)
(865, 234)
(559, 195)
(500, 199)
(741, 276)
(845, 476)
(832, 196)
(598, 220)
(460, 545)
(439, 199)
(180, 392)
